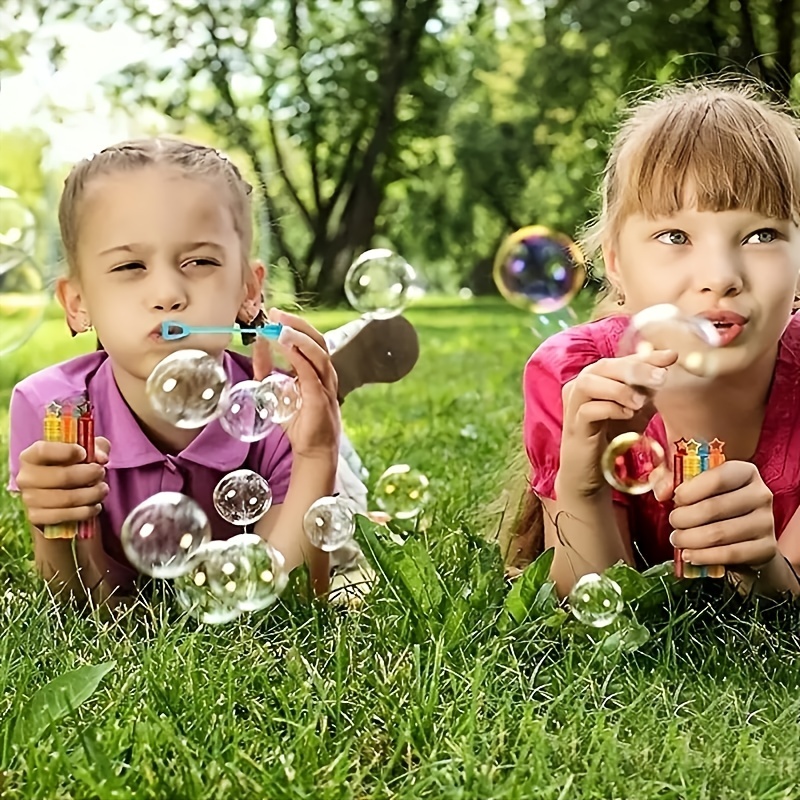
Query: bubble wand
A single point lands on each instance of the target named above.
(692, 458)
(173, 331)
(88, 527)
(52, 433)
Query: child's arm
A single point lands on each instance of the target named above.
(282, 526)
(57, 487)
(589, 533)
(314, 436)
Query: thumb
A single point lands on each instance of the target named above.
(663, 481)
(262, 359)
(102, 449)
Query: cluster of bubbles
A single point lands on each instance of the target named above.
(189, 389)
(631, 460)
(23, 293)
(169, 535)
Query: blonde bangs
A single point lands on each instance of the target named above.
(730, 151)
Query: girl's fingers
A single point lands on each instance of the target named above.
(728, 477)
(262, 359)
(39, 517)
(65, 498)
(590, 387)
(715, 534)
(717, 508)
(77, 476)
(298, 324)
(754, 551)
(310, 352)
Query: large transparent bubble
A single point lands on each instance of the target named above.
(402, 491)
(596, 600)
(242, 497)
(23, 298)
(696, 340)
(630, 463)
(247, 411)
(17, 223)
(539, 269)
(203, 592)
(329, 523)
(380, 284)
(162, 535)
(186, 387)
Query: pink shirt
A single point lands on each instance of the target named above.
(137, 468)
(564, 355)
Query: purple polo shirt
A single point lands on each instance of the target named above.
(137, 468)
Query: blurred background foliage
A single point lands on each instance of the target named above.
(435, 127)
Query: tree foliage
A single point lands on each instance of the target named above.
(432, 126)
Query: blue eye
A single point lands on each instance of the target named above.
(763, 236)
(673, 237)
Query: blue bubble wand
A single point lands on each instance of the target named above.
(172, 331)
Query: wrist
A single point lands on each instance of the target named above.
(319, 470)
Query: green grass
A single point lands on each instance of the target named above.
(308, 701)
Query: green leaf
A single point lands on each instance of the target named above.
(408, 568)
(630, 580)
(531, 590)
(58, 698)
(628, 635)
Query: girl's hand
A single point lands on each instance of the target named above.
(724, 516)
(56, 485)
(314, 430)
(609, 397)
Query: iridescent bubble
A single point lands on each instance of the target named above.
(242, 497)
(596, 600)
(246, 411)
(259, 569)
(198, 591)
(539, 269)
(380, 284)
(329, 523)
(17, 222)
(629, 462)
(281, 394)
(545, 325)
(23, 298)
(186, 387)
(402, 491)
(696, 340)
(163, 534)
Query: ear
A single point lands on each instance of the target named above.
(69, 296)
(254, 292)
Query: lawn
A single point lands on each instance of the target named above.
(432, 689)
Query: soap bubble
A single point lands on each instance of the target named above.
(596, 600)
(258, 568)
(242, 497)
(380, 284)
(629, 462)
(539, 269)
(281, 394)
(246, 411)
(202, 591)
(163, 534)
(186, 387)
(17, 222)
(545, 325)
(23, 298)
(664, 327)
(402, 491)
(329, 523)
